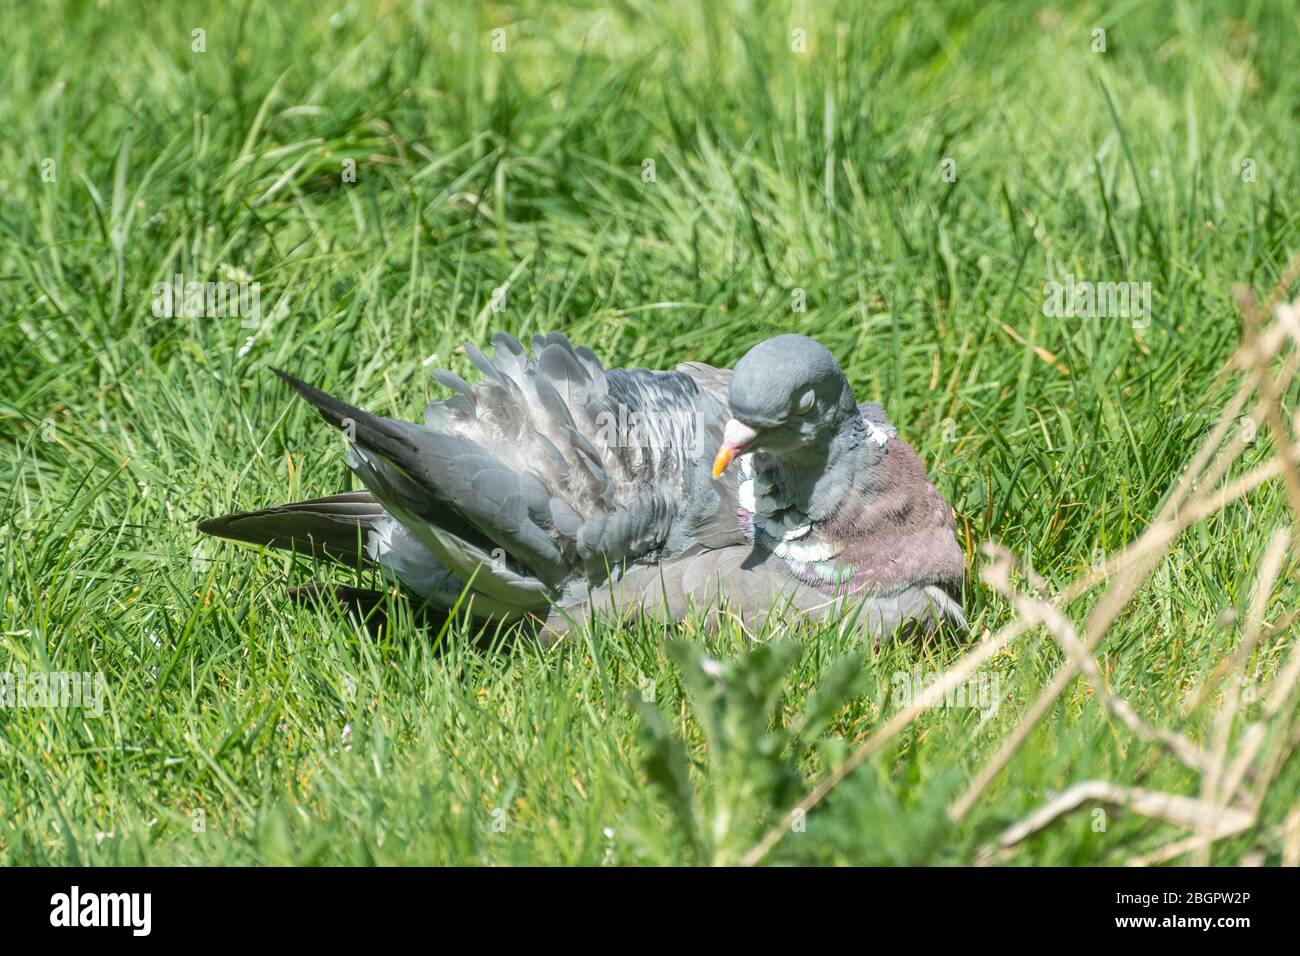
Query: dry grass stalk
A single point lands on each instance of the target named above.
(1212, 783)
(1291, 838)
(1221, 783)
(997, 575)
(1138, 560)
(1170, 807)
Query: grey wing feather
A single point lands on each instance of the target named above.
(715, 381)
(549, 470)
(332, 527)
(442, 488)
(617, 452)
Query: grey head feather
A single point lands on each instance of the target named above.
(775, 375)
(811, 438)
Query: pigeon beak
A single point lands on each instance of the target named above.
(736, 437)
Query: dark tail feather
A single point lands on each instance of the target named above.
(333, 527)
(383, 435)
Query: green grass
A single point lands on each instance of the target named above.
(774, 171)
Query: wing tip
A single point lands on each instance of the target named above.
(297, 384)
(333, 410)
(213, 526)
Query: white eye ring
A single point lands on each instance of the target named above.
(806, 401)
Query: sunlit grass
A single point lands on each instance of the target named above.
(661, 183)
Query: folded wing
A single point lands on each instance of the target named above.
(550, 475)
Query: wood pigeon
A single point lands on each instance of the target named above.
(554, 489)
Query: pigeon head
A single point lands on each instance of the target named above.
(788, 399)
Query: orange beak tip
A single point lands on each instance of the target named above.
(723, 459)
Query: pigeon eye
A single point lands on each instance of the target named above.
(806, 401)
